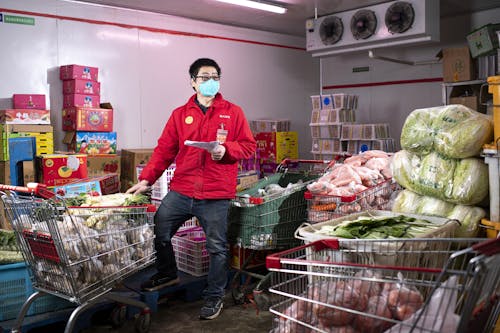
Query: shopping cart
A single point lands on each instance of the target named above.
(334, 285)
(267, 221)
(80, 253)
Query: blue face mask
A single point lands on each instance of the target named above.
(209, 88)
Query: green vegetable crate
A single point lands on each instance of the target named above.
(15, 288)
(269, 221)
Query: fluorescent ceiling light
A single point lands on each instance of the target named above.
(257, 5)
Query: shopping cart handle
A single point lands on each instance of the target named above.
(488, 248)
(32, 188)
(273, 261)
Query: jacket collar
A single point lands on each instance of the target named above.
(218, 101)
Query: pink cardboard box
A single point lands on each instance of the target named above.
(81, 100)
(25, 116)
(70, 72)
(86, 87)
(26, 101)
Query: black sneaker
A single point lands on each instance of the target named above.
(159, 281)
(211, 309)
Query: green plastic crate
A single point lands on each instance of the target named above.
(269, 222)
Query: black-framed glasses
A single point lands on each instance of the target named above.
(205, 78)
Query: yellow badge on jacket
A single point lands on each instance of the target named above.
(189, 120)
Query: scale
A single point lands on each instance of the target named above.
(491, 153)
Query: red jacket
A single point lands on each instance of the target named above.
(196, 174)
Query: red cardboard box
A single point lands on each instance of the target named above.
(60, 169)
(102, 185)
(70, 72)
(26, 101)
(87, 119)
(81, 100)
(25, 116)
(87, 87)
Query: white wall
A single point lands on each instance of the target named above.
(144, 72)
(393, 103)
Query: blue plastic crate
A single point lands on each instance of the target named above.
(15, 288)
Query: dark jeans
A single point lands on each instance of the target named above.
(174, 210)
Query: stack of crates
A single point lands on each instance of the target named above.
(363, 137)
(29, 117)
(329, 114)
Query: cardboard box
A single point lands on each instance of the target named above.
(70, 72)
(81, 100)
(87, 87)
(91, 143)
(276, 146)
(130, 159)
(457, 65)
(87, 119)
(43, 135)
(103, 164)
(247, 179)
(60, 169)
(4, 172)
(468, 95)
(28, 172)
(269, 125)
(25, 116)
(102, 185)
(483, 41)
(27, 101)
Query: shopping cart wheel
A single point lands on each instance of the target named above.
(142, 322)
(238, 295)
(262, 300)
(118, 315)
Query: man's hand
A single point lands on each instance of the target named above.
(140, 187)
(218, 152)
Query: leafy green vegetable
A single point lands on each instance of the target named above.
(417, 134)
(470, 182)
(435, 177)
(469, 218)
(433, 206)
(406, 202)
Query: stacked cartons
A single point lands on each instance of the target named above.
(328, 116)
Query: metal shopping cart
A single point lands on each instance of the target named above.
(80, 253)
(260, 220)
(336, 285)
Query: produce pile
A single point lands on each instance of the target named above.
(9, 251)
(380, 227)
(439, 165)
(362, 182)
(102, 239)
(364, 292)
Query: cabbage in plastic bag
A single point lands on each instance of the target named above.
(435, 177)
(403, 165)
(406, 202)
(470, 182)
(433, 206)
(469, 217)
(417, 134)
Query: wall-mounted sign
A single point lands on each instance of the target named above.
(19, 19)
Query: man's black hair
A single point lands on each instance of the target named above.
(202, 62)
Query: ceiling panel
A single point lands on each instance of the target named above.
(291, 23)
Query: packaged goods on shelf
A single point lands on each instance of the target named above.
(270, 125)
(327, 146)
(345, 101)
(365, 131)
(27, 101)
(326, 130)
(321, 102)
(324, 156)
(340, 115)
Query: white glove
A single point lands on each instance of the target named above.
(218, 152)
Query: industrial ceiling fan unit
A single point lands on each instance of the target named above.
(387, 24)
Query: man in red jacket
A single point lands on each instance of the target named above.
(204, 181)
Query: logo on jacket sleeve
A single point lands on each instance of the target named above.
(189, 120)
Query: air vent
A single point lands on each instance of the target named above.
(363, 24)
(331, 30)
(399, 17)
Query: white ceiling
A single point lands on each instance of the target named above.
(291, 23)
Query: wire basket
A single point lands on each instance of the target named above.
(269, 222)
